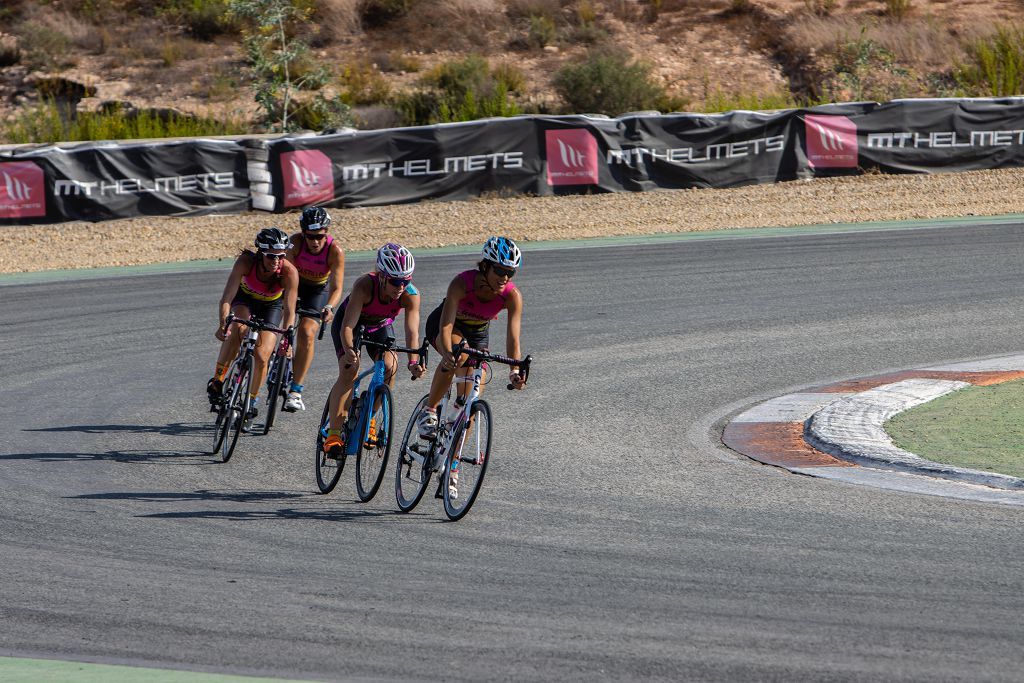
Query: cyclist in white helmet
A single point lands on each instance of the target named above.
(264, 284)
(375, 301)
(475, 298)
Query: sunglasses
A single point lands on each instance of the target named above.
(399, 282)
(314, 235)
(504, 272)
(273, 256)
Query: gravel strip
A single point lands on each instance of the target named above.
(155, 239)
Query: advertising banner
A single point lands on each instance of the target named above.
(106, 181)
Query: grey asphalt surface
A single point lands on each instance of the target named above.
(614, 538)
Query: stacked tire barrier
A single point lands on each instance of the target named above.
(540, 155)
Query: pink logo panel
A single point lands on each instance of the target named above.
(831, 141)
(308, 177)
(572, 157)
(22, 190)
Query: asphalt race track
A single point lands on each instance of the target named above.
(614, 538)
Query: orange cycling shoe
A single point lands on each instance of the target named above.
(334, 447)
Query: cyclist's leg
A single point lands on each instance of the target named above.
(270, 313)
(312, 298)
(341, 393)
(228, 350)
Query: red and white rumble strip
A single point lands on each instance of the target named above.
(835, 431)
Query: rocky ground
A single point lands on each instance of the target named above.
(433, 224)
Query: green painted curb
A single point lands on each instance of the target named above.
(625, 240)
(16, 670)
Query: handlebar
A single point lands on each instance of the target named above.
(255, 324)
(310, 313)
(523, 364)
(422, 351)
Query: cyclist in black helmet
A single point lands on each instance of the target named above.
(264, 284)
(321, 265)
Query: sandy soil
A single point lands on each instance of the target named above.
(434, 224)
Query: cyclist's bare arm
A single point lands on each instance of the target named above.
(336, 262)
(456, 293)
(241, 267)
(362, 290)
(514, 306)
(411, 304)
(290, 282)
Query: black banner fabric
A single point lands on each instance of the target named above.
(104, 182)
(540, 155)
(451, 161)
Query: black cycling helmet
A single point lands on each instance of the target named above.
(271, 238)
(315, 218)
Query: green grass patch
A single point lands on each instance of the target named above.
(43, 123)
(980, 427)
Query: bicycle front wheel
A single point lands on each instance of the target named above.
(220, 427)
(464, 470)
(375, 446)
(328, 470)
(275, 376)
(412, 467)
(238, 404)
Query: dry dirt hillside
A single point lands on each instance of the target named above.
(706, 54)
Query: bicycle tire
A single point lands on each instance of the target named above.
(236, 411)
(275, 377)
(328, 470)
(219, 431)
(411, 477)
(372, 461)
(471, 469)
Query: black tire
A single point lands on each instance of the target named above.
(411, 475)
(372, 460)
(237, 405)
(328, 470)
(275, 376)
(219, 429)
(472, 460)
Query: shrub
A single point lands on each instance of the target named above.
(10, 53)
(462, 90)
(43, 123)
(44, 47)
(202, 19)
(608, 82)
(821, 8)
(995, 65)
(542, 31)
(362, 83)
(376, 13)
(898, 9)
(719, 101)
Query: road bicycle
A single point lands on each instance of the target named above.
(232, 407)
(367, 431)
(461, 448)
(279, 374)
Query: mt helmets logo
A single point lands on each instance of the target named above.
(308, 178)
(22, 190)
(572, 157)
(831, 141)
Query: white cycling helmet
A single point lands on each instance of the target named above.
(503, 251)
(394, 260)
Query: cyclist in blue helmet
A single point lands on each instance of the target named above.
(475, 297)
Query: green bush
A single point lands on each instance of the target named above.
(461, 90)
(202, 19)
(995, 64)
(362, 83)
(44, 47)
(43, 124)
(542, 31)
(609, 82)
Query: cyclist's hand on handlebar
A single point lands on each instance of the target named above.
(516, 380)
(416, 369)
(351, 356)
(222, 329)
(447, 361)
(326, 314)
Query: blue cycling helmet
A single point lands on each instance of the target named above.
(503, 251)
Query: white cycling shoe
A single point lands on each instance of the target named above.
(426, 425)
(293, 402)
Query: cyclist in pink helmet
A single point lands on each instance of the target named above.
(375, 301)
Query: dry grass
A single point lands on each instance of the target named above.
(338, 17)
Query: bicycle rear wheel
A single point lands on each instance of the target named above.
(220, 430)
(375, 445)
(328, 470)
(412, 469)
(275, 376)
(237, 406)
(461, 483)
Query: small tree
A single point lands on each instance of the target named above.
(608, 82)
(279, 62)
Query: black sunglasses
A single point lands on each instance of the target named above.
(504, 272)
(314, 235)
(399, 282)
